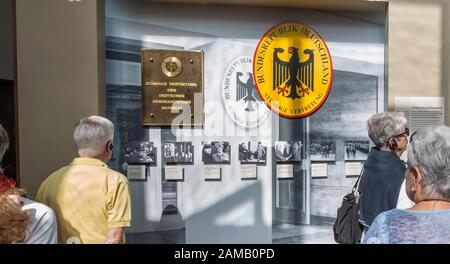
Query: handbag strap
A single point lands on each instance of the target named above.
(355, 189)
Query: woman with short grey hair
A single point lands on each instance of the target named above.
(382, 126)
(428, 185)
(383, 170)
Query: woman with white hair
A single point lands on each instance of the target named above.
(428, 185)
(384, 170)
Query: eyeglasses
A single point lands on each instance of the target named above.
(412, 146)
(411, 137)
(406, 133)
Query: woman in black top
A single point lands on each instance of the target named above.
(384, 171)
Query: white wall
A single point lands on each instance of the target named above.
(415, 55)
(419, 49)
(6, 38)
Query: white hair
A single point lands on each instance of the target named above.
(429, 151)
(381, 127)
(91, 135)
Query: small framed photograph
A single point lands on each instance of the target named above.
(356, 150)
(252, 153)
(140, 153)
(178, 153)
(216, 152)
(321, 150)
(288, 151)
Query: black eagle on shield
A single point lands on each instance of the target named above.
(246, 91)
(293, 79)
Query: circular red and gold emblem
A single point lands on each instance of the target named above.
(293, 70)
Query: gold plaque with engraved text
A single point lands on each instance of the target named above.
(172, 87)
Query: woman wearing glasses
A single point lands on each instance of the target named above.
(384, 170)
(428, 185)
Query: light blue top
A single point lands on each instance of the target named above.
(410, 227)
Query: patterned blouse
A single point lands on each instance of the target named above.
(410, 227)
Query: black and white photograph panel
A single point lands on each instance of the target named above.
(288, 151)
(178, 152)
(321, 150)
(252, 152)
(356, 150)
(216, 152)
(140, 153)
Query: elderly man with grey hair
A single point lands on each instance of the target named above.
(383, 170)
(91, 201)
(428, 185)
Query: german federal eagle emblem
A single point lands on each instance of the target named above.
(293, 70)
(293, 79)
(241, 99)
(246, 91)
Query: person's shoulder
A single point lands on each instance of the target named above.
(115, 176)
(30, 204)
(378, 229)
(386, 216)
(58, 172)
(54, 176)
(40, 210)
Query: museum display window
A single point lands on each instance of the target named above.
(248, 175)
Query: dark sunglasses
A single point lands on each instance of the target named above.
(406, 133)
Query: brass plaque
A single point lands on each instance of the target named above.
(172, 87)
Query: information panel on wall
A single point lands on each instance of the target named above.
(172, 86)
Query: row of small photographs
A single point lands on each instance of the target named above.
(219, 152)
(321, 150)
(214, 152)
